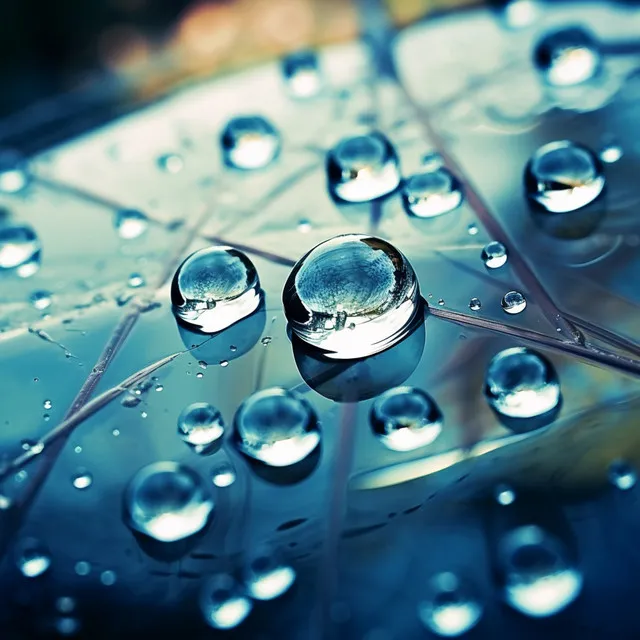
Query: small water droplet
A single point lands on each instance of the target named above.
(202, 364)
(504, 495)
(41, 300)
(82, 479)
(115, 433)
(431, 193)
(304, 226)
(472, 229)
(250, 142)
(47, 404)
(144, 414)
(21, 476)
(406, 418)
(224, 363)
(494, 255)
(362, 168)
(159, 387)
(513, 302)
(276, 427)
(215, 288)
(201, 426)
(352, 279)
(108, 578)
(167, 502)
(65, 604)
(475, 304)
(199, 375)
(171, 163)
(302, 74)
(135, 281)
(267, 577)
(67, 626)
(130, 400)
(130, 223)
(223, 602)
(82, 568)
(266, 340)
(223, 475)
(567, 57)
(19, 250)
(441, 302)
(33, 558)
(233, 348)
(5, 502)
(451, 608)
(622, 475)
(432, 161)
(14, 176)
(518, 14)
(611, 153)
(78, 449)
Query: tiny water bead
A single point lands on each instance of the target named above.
(432, 193)
(622, 475)
(539, 577)
(249, 142)
(82, 479)
(108, 578)
(472, 229)
(276, 427)
(611, 153)
(352, 296)
(130, 223)
(475, 304)
(223, 602)
(47, 404)
(14, 176)
(82, 568)
(32, 558)
(267, 577)
(136, 281)
(504, 495)
(567, 57)
(362, 168)
(167, 502)
(513, 302)
(405, 418)
(215, 288)
(451, 608)
(302, 74)
(171, 163)
(200, 425)
(19, 250)
(223, 475)
(521, 383)
(41, 300)
(494, 255)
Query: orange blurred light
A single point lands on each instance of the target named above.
(207, 29)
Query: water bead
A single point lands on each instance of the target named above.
(171, 163)
(32, 558)
(223, 602)
(513, 302)
(302, 74)
(494, 255)
(200, 425)
(475, 304)
(622, 475)
(19, 250)
(249, 142)
(431, 193)
(267, 577)
(130, 223)
(14, 175)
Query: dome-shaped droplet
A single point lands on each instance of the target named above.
(171, 163)
(563, 176)
(611, 153)
(32, 557)
(352, 296)
(362, 168)
(249, 142)
(504, 495)
(432, 193)
(567, 57)
(622, 475)
(19, 250)
(82, 479)
(223, 475)
(494, 255)
(223, 602)
(406, 418)
(201, 426)
(276, 427)
(521, 383)
(41, 300)
(130, 223)
(167, 502)
(214, 288)
(475, 304)
(267, 577)
(539, 577)
(451, 607)
(513, 302)
(302, 74)
(14, 176)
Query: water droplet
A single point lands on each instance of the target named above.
(352, 280)
(21, 476)
(494, 255)
(82, 479)
(199, 375)
(266, 340)
(82, 568)
(611, 153)
(302, 74)
(108, 578)
(472, 229)
(65, 604)
(518, 14)
(233, 348)
(475, 304)
(513, 302)
(406, 418)
(19, 250)
(202, 364)
(130, 400)
(159, 387)
(504, 495)
(441, 302)
(451, 608)
(267, 576)
(131, 223)
(5, 502)
(224, 363)
(250, 142)
(67, 626)
(567, 57)
(171, 163)
(362, 168)
(304, 226)
(167, 502)
(563, 176)
(14, 176)
(276, 427)
(215, 288)
(622, 475)
(521, 383)
(136, 281)
(78, 449)
(143, 414)
(223, 475)
(223, 602)
(47, 404)
(33, 558)
(540, 580)
(432, 161)
(432, 193)
(115, 433)
(201, 426)
(41, 300)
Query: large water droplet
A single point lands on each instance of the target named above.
(201, 426)
(302, 74)
(521, 383)
(215, 288)
(362, 168)
(19, 250)
(167, 502)
(567, 57)
(406, 418)
(249, 142)
(352, 296)
(276, 427)
(32, 557)
(513, 302)
(131, 223)
(622, 475)
(267, 576)
(494, 255)
(540, 579)
(223, 602)
(432, 193)
(14, 176)
(451, 608)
